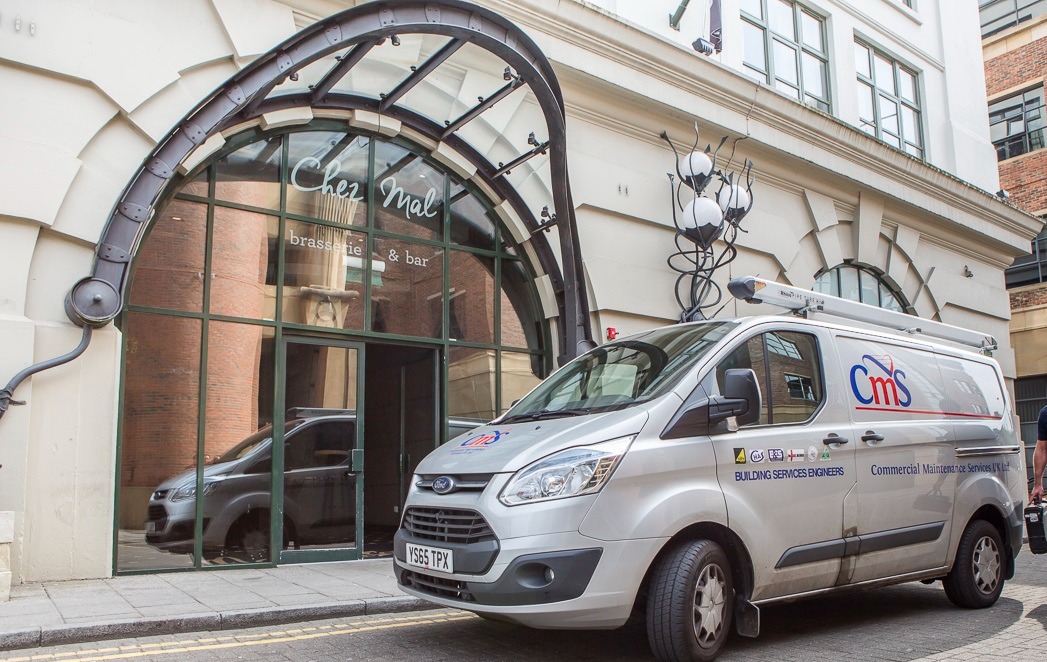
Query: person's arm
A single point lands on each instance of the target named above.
(1039, 460)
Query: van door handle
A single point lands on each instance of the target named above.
(834, 438)
(871, 436)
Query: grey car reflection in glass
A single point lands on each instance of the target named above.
(319, 492)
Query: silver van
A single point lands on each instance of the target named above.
(695, 472)
(318, 473)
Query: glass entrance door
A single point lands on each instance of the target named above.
(321, 453)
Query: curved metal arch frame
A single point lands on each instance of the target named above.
(97, 300)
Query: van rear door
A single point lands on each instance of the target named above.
(905, 456)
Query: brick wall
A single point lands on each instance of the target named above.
(1028, 298)
(1015, 67)
(1025, 178)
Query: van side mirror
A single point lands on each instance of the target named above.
(741, 397)
(703, 414)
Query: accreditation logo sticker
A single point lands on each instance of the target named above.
(825, 454)
(776, 454)
(794, 455)
(739, 456)
(757, 455)
(812, 454)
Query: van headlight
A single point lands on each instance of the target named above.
(567, 473)
(188, 491)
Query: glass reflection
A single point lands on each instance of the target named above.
(243, 264)
(471, 294)
(320, 505)
(519, 373)
(237, 444)
(408, 193)
(519, 319)
(169, 267)
(470, 223)
(471, 376)
(159, 439)
(327, 176)
(409, 299)
(323, 275)
(251, 175)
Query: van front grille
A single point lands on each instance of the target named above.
(447, 525)
(444, 588)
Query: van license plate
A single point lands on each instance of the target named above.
(430, 558)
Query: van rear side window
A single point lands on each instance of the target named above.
(971, 388)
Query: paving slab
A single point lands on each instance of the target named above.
(55, 612)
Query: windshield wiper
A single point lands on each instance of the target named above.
(546, 414)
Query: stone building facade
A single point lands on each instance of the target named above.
(871, 160)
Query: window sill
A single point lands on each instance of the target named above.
(1020, 156)
(905, 11)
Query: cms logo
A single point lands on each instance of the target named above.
(878, 381)
(485, 439)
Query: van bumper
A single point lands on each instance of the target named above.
(558, 581)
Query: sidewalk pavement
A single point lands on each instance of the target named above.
(63, 612)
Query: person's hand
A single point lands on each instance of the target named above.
(1037, 494)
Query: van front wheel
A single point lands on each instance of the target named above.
(690, 603)
(976, 579)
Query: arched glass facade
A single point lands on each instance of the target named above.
(338, 288)
(858, 283)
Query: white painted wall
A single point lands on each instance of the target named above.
(934, 34)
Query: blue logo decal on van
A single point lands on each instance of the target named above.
(878, 381)
(484, 439)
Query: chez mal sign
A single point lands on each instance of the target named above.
(395, 197)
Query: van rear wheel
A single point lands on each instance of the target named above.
(976, 579)
(690, 603)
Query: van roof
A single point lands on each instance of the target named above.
(871, 330)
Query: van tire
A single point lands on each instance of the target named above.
(976, 579)
(691, 588)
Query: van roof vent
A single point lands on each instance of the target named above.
(808, 303)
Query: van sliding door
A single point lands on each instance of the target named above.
(905, 453)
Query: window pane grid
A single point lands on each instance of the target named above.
(860, 284)
(787, 50)
(894, 117)
(998, 15)
(1016, 124)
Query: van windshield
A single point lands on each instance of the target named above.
(257, 440)
(621, 373)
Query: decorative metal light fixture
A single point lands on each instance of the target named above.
(702, 220)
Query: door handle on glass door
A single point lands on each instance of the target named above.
(834, 438)
(870, 436)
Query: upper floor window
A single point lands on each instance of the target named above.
(785, 46)
(1032, 268)
(1016, 124)
(888, 100)
(850, 281)
(998, 15)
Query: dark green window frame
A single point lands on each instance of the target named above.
(889, 90)
(505, 252)
(756, 16)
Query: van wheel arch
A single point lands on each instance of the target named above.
(992, 515)
(737, 554)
